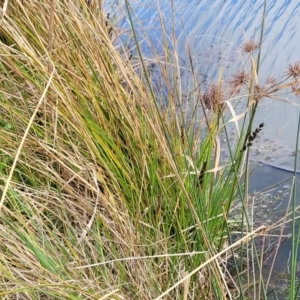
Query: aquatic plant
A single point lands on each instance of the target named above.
(110, 190)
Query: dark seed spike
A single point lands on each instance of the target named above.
(107, 18)
(182, 135)
(253, 135)
(202, 172)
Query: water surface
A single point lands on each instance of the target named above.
(214, 31)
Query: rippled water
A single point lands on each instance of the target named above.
(215, 30)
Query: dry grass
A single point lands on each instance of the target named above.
(104, 195)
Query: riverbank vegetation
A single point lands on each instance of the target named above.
(110, 189)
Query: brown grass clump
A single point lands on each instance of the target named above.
(98, 200)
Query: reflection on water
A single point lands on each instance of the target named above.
(225, 24)
(270, 207)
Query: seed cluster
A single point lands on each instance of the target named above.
(252, 136)
(202, 172)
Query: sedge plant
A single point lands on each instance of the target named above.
(106, 194)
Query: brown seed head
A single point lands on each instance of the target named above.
(296, 89)
(238, 80)
(294, 70)
(259, 92)
(212, 97)
(271, 81)
(250, 46)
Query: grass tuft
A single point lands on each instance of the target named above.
(110, 189)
